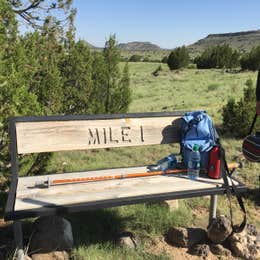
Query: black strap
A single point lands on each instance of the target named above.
(225, 175)
(253, 124)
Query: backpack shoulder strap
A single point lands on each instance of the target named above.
(225, 174)
(252, 125)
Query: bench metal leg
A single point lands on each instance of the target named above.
(213, 207)
(18, 239)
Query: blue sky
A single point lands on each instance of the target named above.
(168, 23)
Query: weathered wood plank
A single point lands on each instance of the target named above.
(50, 136)
(29, 197)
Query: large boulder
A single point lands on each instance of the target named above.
(185, 237)
(51, 233)
(219, 229)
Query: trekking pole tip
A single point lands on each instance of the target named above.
(42, 184)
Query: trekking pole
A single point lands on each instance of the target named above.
(55, 182)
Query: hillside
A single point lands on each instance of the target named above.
(242, 41)
(138, 46)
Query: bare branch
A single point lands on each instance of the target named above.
(35, 12)
(33, 5)
(29, 21)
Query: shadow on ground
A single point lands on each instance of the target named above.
(6, 240)
(254, 196)
(97, 226)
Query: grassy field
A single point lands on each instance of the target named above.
(188, 89)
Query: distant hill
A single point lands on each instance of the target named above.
(131, 46)
(138, 46)
(242, 41)
(91, 46)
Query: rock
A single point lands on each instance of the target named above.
(58, 255)
(244, 245)
(52, 233)
(202, 250)
(218, 249)
(172, 204)
(238, 244)
(126, 239)
(178, 236)
(26, 257)
(219, 230)
(186, 237)
(196, 236)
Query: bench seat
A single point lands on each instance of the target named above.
(34, 201)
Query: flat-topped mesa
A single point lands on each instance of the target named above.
(234, 34)
(242, 41)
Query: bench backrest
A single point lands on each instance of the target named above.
(61, 133)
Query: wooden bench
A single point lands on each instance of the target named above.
(63, 133)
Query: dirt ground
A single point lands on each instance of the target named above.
(159, 246)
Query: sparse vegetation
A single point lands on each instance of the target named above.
(213, 86)
(156, 72)
(165, 59)
(136, 58)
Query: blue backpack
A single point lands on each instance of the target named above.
(197, 128)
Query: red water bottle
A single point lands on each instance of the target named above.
(214, 163)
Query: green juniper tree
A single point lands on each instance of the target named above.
(15, 97)
(219, 56)
(122, 97)
(76, 72)
(251, 60)
(238, 115)
(47, 81)
(29, 77)
(117, 90)
(178, 58)
(99, 78)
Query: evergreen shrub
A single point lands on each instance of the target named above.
(178, 58)
(237, 116)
